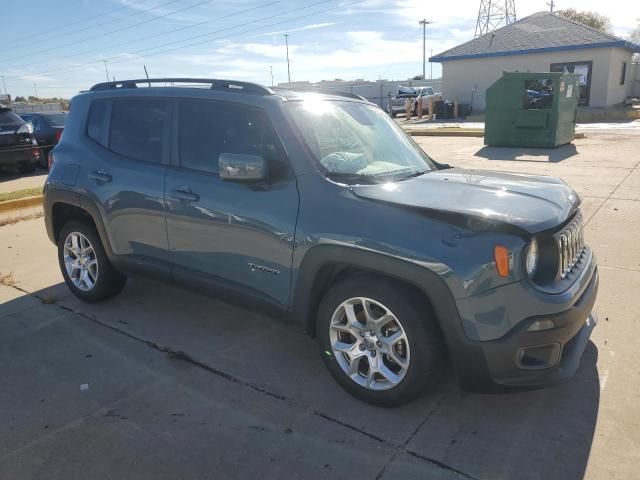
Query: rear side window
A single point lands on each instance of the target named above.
(139, 128)
(208, 129)
(10, 119)
(96, 126)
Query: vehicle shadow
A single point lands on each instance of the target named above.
(535, 434)
(550, 155)
(526, 435)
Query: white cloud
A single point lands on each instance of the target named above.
(313, 26)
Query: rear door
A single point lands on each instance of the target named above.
(237, 234)
(127, 173)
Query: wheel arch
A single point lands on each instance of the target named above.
(63, 205)
(325, 264)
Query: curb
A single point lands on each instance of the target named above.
(441, 132)
(20, 203)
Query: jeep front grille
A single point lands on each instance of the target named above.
(570, 245)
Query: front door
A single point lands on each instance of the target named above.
(240, 234)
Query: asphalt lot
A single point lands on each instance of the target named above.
(163, 383)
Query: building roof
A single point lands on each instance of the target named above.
(540, 32)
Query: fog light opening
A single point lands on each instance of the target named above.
(539, 357)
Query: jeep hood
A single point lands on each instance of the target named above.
(530, 202)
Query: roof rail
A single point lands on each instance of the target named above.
(324, 91)
(341, 94)
(214, 84)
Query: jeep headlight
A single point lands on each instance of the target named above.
(532, 258)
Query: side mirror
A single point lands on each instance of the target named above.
(240, 167)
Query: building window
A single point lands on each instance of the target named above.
(623, 73)
(584, 82)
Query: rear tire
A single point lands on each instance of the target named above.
(84, 263)
(26, 168)
(395, 372)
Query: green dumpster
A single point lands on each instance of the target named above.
(531, 109)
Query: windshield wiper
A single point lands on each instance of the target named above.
(350, 178)
(414, 174)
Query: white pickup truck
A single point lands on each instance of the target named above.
(398, 104)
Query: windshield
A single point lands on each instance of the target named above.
(357, 140)
(56, 119)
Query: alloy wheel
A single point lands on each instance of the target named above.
(80, 261)
(369, 343)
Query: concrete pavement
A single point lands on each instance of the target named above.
(11, 181)
(183, 386)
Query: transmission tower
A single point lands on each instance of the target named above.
(494, 14)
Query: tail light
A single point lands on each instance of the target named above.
(59, 134)
(50, 159)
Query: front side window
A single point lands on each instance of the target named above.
(356, 141)
(207, 129)
(139, 128)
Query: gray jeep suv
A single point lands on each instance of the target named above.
(321, 208)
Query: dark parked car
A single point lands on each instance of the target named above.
(322, 208)
(18, 147)
(47, 128)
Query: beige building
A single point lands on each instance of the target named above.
(542, 42)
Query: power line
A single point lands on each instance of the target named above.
(67, 25)
(117, 29)
(117, 59)
(129, 42)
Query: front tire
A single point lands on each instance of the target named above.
(379, 340)
(84, 263)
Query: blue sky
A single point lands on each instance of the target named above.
(67, 41)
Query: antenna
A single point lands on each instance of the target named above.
(145, 73)
(494, 14)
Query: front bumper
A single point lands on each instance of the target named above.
(527, 358)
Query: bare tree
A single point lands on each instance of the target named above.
(590, 19)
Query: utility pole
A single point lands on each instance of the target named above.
(106, 70)
(494, 14)
(424, 22)
(551, 5)
(271, 69)
(4, 85)
(36, 89)
(286, 41)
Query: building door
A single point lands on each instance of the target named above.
(584, 82)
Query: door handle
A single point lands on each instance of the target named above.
(185, 194)
(100, 176)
